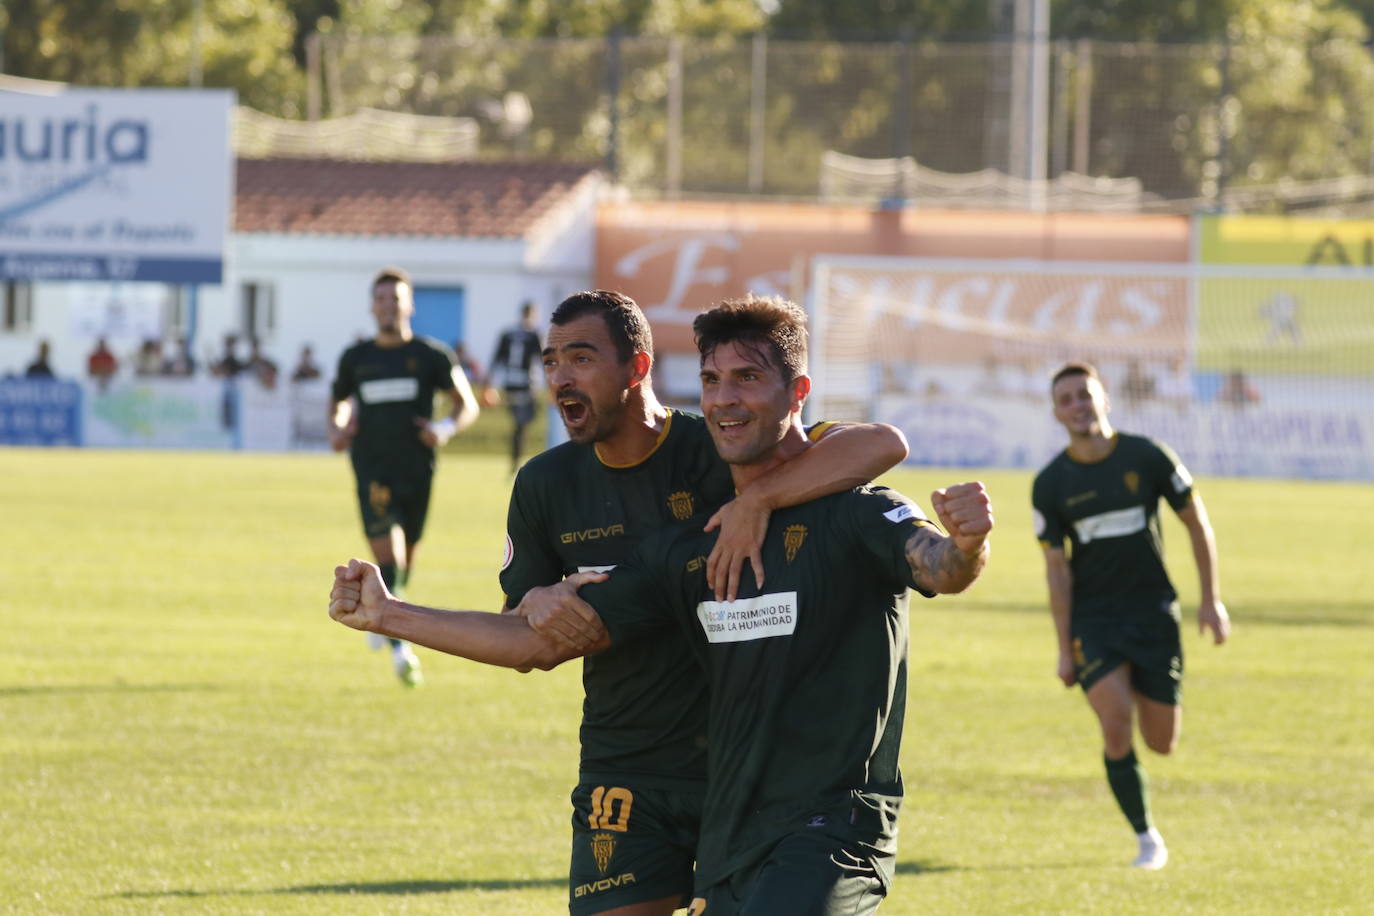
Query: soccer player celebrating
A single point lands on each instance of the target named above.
(382, 411)
(807, 679)
(1115, 611)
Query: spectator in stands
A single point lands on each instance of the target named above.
(228, 365)
(179, 363)
(1175, 386)
(148, 361)
(992, 381)
(39, 368)
(263, 368)
(1138, 386)
(101, 365)
(1281, 311)
(306, 369)
(1237, 390)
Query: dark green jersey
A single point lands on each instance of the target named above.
(645, 709)
(1108, 511)
(807, 677)
(394, 386)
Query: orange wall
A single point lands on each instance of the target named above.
(675, 258)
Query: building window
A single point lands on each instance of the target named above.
(176, 313)
(17, 314)
(258, 310)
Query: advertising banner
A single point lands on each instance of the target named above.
(115, 184)
(1214, 439)
(676, 258)
(39, 412)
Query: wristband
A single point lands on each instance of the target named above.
(443, 429)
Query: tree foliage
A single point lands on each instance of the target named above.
(1198, 94)
(244, 45)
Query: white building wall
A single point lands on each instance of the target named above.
(321, 288)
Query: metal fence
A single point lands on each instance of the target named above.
(1268, 124)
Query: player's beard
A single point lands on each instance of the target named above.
(598, 421)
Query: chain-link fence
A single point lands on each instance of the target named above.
(1267, 124)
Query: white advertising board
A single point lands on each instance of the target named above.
(115, 184)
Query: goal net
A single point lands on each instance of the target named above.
(1264, 371)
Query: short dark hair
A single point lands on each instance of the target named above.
(769, 324)
(1075, 368)
(627, 325)
(391, 275)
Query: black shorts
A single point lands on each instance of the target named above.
(806, 874)
(387, 498)
(521, 404)
(1149, 642)
(630, 845)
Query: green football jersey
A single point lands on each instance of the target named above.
(1108, 512)
(394, 387)
(644, 714)
(807, 676)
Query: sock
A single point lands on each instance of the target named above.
(393, 578)
(1131, 789)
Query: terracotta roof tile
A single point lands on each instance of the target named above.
(338, 197)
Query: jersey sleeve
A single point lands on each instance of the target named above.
(884, 520)
(1049, 527)
(443, 363)
(1176, 484)
(344, 384)
(529, 563)
(632, 602)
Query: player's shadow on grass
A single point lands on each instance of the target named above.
(423, 887)
(931, 868)
(397, 888)
(30, 690)
(923, 867)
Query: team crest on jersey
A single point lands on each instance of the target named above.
(681, 504)
(379, 496)
(1132, 481)
(792, 539)
(603, 847)
(411, 364)
(510, 552)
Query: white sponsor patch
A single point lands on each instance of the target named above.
(389, 390)
(1116, 524)
(510, 552)
(749, 618)
(596, 568)
(1181, 479)
(901, 514)
(1038, 521)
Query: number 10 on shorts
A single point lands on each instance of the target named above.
(611, 808)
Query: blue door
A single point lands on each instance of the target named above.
(439, 313)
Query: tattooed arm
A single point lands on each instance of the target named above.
(950, 563)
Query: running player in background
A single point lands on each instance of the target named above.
(517, 352)
(382, 411)
(1116, 613)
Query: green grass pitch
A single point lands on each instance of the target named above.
(185, 730)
